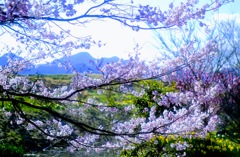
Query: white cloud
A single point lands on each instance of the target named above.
(225, 17)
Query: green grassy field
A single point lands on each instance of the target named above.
(54, 80)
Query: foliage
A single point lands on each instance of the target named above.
(172, 145)
(147, 100)
(11, 150)
(14, 132)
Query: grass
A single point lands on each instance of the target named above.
(64, 79)
(52, 79)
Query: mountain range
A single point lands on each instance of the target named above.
(81, 62)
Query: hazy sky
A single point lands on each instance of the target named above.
(121, 40)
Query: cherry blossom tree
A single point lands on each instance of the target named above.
(224, 33)
(60, 114)
(209, 86)
(226, 60)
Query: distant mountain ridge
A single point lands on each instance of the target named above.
(81, 62)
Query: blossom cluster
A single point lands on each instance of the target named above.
(13, 9)
(176, 15)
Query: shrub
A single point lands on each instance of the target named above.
(211, 145)
(7, 150)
